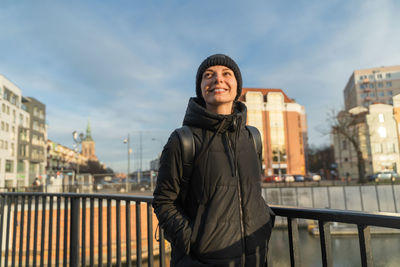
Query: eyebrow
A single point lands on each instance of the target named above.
(226, 68)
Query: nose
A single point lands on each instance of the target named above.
(218, 77)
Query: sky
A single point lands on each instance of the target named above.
(129, 67)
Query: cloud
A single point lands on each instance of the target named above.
(131, 67)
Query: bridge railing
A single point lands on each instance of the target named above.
(92, 229)
(78, 229)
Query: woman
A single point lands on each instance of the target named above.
(217, 218)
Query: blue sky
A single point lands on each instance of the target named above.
(130, 66)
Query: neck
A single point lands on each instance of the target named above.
(224, 109)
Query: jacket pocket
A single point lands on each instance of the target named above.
(196, 225)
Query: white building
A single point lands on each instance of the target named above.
(376, 130)
(12, 118)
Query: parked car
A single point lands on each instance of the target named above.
(298, 178)
(272, 178)
(385, 175)
(288, 178)
(313, 177)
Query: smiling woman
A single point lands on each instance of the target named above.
(219, 89)
(214, 215)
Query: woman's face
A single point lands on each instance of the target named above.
(218, 87)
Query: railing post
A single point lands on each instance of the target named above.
(293, 232)
(364, 237)
(325, 240)
(74, 233)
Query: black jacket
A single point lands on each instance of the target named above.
(223, 221)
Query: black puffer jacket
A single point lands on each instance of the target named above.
(223, 221)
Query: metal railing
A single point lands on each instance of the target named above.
(362, 220)
(77, 230)
(91, 229)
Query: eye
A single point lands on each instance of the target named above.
(227, 73)
(207, 75)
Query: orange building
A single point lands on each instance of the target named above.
(283, 127)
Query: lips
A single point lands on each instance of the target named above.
(218, 90)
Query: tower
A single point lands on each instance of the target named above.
(88, 145)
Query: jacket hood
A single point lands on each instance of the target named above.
(198, 116)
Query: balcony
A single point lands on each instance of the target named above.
(110, 229)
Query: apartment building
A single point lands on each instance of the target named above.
(282, 124)
(376, 129)
(373, 85)
(37, 137)
(14, 136)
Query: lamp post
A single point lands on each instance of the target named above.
(158, 165)
(127, 141)
(78, 138)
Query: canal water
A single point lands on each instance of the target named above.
(345, 250)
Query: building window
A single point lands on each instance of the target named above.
(381, 94)
(344, 145)
(20, 166)
(371, 76)
(372, 94)
(380, 84)
(371, 85)
(382, 132)
(378, 148)
(9, 165)
(390, 93)
(388, 84)
(390, 147)
(381, 117)
(379, 76)
(388, 75)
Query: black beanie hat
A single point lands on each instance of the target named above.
(222, 60)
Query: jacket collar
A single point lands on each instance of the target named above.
(198, 116)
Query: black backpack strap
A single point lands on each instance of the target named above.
(256, 136)
(188, 151)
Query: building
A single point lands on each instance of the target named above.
(374, 85)
(89, 146)
(61, 159)
(376, 129)
(282, 124)
(37, 137)
(15, 125)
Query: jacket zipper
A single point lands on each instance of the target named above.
(239, 188)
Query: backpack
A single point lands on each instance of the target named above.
(188, 150)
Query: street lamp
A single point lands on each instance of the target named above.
(127, 141)
(158, 164)
(78, 138)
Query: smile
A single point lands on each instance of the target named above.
(218, 90)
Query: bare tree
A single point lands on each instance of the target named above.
(351, 126)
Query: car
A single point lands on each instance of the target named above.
(272, 178)
(298, 178)
(313, 177)
(288, 178)
(385, 175)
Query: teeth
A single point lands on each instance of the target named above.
(219, 90)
